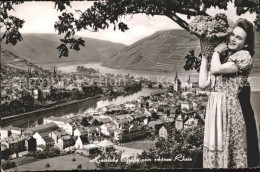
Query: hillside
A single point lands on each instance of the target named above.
(13, 61)
(164, 51)
(12, 66)
(41, 49)
(161, 51)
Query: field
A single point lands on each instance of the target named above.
(142, 144)
(58, 163)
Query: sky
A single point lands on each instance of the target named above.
(40, 18)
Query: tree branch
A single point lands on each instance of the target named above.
(190, 11)
(180, 22)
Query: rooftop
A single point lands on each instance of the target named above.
(41, 128)
(44, 134)
(59, 119)
(105, 143)
(67, 137)
(16, 128)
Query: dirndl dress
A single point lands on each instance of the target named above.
(225, 142)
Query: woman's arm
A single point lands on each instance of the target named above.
(218, 68)
(204, 79)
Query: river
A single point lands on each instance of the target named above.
(151, 75)
(77, 108)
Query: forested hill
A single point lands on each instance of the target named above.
(165, 51)
(41, 49)
(161, 51)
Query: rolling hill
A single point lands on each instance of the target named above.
(164, 51)
(161, 51)
(41, 49)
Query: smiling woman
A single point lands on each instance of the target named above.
(237, 39)
(225, 136)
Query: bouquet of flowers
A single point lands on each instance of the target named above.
(212, 31)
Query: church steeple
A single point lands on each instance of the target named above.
(177, 83)
(176, 77)
(54, 72)
(188, 79)
(29, 73)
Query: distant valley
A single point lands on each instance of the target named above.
(163, 51)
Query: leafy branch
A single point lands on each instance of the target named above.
(11, 24)
(192, 62)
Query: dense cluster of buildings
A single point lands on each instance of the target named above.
(52, 87)
(100, 129)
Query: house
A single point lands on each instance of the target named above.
(166, 131)
(80, 131)
(104, 109)
(41, 128)
(155, 125)
(14, 144)
(185, 105)
(106, 129)
(91, 149)
(68, 127)
(46, 92)
(163, 132)
(56, 134)
(30, 144)
(122, 121)
(105, 146)
(35, 93)
(170, 118)
(114, 109)
(65, 141)
(16, 131)
(161, 115)
(5, 133)
(135, 132)
(130, 106)
(43, 139)
(97, 121)
(141, 117)
(57, 120)
(191, 123)
(80, 142)
(179, 123)
(188, 86)
(92, 133)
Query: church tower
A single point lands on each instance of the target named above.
(29, 75)
(54, 72)
(177, 83)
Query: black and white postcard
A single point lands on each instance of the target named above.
(130, 84)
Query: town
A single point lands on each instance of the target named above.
(107, 129)
(24, 91)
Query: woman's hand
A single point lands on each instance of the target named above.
(221, 48)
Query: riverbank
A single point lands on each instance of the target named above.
(27, 114)
(16, 117)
